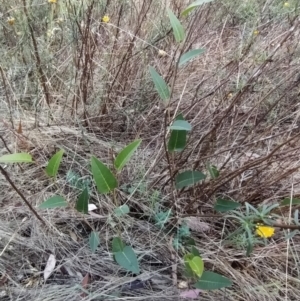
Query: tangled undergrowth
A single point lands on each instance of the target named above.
(89, 78)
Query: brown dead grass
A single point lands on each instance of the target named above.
(241, 98)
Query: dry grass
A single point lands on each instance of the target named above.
(76, 83)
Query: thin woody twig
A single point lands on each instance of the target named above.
(5, 174)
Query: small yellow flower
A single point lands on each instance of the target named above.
(52, 1)
(105, 19)
(256, 32)
(264, 231)
(286, 4)
(11, 21)
(161, 52)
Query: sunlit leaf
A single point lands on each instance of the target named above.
(104, 179)
(160, 85)
(186, 57)
(193, 6)
(188, 178)
(50, 265)
(53, 164)
(55, 201)
(16, 158)
(225, 205)
(197, 265)
(212, 281)
(94, 241)
(125, 155)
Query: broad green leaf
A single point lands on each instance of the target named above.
(188, 178)
(83, 201)
(177, 141)
(181, 125)
(16, 158)
(53, 164)
(195, 252)
(178, 30)
(160, 85)
(212, 281)
(186, 57)
(128, 260)
(288, 202)
(213, 171)
(122, 210)
(117, 245)
(125, 155)
(197, 265)
(104, 179)
(55, 201)
(194, 5)
(225, 205)
(94, 241)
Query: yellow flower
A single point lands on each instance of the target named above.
(286, 4)
(161, 53)
(52, 1)
(11, 21)
(105, 19)
(255, 32)
(265, 231)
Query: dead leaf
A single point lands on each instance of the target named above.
(84, 284)
(190, 294)
(19, 131)
(49, 266)
(195, 224)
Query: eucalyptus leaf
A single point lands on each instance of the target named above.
(177, 141)
(16, 158)
(186, 57)
(55, 201)
(188, 178)
(181, 125)
(122, 210)
(178, 29)
(127, 259)
(212, 281)
(193, 6)
(54, 163)
(125, 155)
(83, 201)
(104, 179)
(160, 85)
(225, 205)
(94, 241)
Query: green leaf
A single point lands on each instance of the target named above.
(197, 265)
(178, 30)
(195, 252)
(105, 180)
(128, 260)
(194, 5)
(288, 202)
(212, 281)
(213, 171)
(225, 205)
(125, 155)
(83, 201)
(117, 245)
(16, 158)
(53, 164)
(55, 201)
(188, 178)
(160, 85)
(186, 57)
(94, 241)
(122, 210)
(181, 125)
(177, 141)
